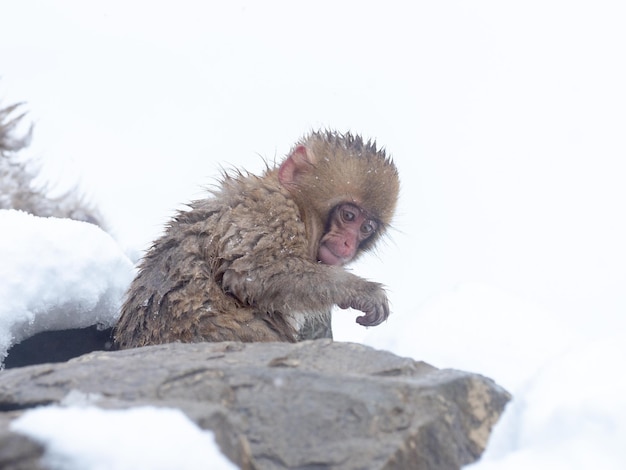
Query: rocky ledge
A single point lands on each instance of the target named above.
(316, 404)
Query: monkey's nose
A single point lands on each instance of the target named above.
(347, 250)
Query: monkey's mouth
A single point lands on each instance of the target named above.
(327, 256)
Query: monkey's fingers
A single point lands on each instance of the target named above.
(366, 320)
(375, 317)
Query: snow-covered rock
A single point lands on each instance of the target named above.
(57, 274)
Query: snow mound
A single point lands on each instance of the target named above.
(570, 416)
(89, 438)
(57, 274)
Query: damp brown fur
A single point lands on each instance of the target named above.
(243, 264)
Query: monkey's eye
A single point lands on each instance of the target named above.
(368, 228)
(348, 214)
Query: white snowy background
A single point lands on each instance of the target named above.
(507, 121)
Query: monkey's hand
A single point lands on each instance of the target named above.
(372, 300)
(297, 285)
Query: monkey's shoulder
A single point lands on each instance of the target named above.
(255, 200)
(252, 189)
(241, 212)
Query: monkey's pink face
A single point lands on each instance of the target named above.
(348, 227)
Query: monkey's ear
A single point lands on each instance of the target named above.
(297, 163)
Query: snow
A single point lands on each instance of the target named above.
(506, 121)
(570, 415)
(568, 411)
(90, 438)
(57, 274)
(479, 319)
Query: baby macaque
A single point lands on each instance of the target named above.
(263, 256)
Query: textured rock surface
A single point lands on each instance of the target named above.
(316, 404)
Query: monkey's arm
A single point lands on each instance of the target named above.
(297, 284)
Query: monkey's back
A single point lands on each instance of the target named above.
(178, 294)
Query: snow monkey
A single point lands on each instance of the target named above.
(263, 256)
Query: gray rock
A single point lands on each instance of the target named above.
(315, 404)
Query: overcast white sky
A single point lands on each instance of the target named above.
(506, 121)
